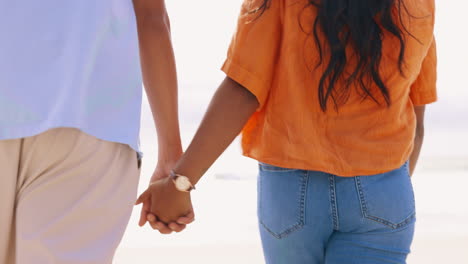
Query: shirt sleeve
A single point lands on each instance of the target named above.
(423, 90)
(254, 49)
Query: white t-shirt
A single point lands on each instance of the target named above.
(70, 63)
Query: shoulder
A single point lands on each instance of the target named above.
(419, 8)
(262, 11)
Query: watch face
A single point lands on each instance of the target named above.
(183, 183)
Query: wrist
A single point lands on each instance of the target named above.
(169, 154)
(170, 184)
(165, 164)
(192, 174)
(181, 182)
(190, 165)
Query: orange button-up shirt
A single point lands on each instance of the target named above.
(274, 58)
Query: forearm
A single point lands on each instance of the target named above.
(419, 137)
(229, 110)
(418, 141)
(160, 79)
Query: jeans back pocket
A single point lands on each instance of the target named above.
(388, 198)
(281, 199)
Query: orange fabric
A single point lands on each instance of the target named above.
(273, 58)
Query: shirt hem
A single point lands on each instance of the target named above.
(322, 169)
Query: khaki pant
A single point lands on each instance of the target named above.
(65, 197)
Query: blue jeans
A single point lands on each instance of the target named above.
(311, 217)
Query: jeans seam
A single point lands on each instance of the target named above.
(271, 168)
(276, 170)
(365, 213)
(305, 181)
(299, 224)
(361, 196)
(333, 202)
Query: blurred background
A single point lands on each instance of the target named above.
(226, 227)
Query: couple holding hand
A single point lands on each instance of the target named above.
(329, 97)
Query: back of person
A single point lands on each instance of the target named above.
(335, 163)
(72, 64)
(70, 100)
(330, 96)
(276, 56)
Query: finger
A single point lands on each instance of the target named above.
(188, 219)
(177, 227)
(143, 213)
(161, 227)
(155, 223)
(143, 197)
(151, 218)
(165, 231)
(142, 220)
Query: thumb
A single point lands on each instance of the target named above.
(188, 219)
(143, 197)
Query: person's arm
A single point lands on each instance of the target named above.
(419, 137)
(160, 81)
(229, 110)
(159, 75)
(246, 89)
(423, 92)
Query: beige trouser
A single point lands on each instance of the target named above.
(65, 197)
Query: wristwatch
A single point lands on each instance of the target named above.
(181, 182)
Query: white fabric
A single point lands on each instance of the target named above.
(70, 64)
